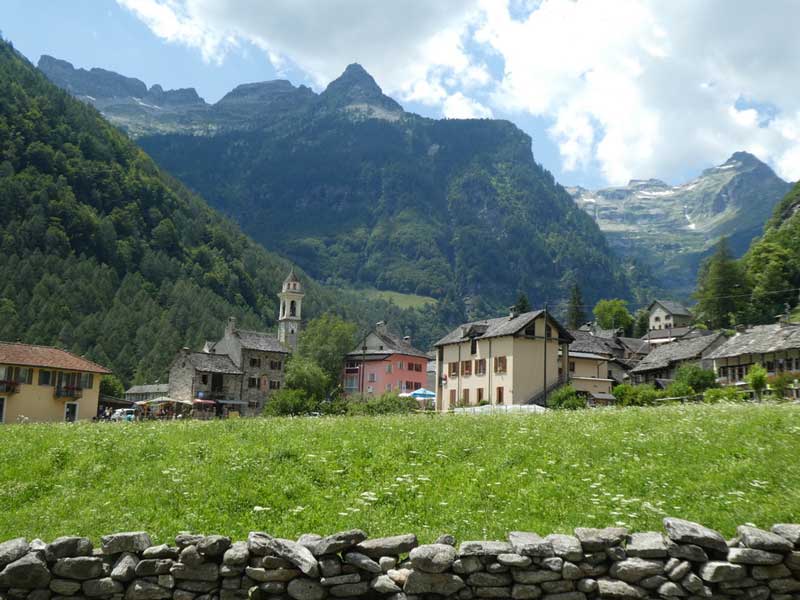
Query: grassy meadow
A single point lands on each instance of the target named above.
(400, 299)
(472, 476)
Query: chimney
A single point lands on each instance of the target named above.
(380, 326)
(513, 312)
(407, 339)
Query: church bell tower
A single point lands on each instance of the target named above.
(289, 314)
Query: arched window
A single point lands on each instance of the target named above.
(293, 309)
(283, 309)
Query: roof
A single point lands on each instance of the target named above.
(499, 327)
(584, 341)
(149, 388)
(672, 332)
(602, 396)
(28, 355)
(635, 345)
(760, 339)
(213, 363)
(392, 344)
(666, 354)
(587, 355)
(673, 308)
(291, 277)
(260, 340)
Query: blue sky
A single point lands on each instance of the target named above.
(607, 91)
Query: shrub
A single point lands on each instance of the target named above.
(565, 398)
(781, 383)
(288, 402)
(725, 394)
(679, 389)
(696, 378)
(757, 378)
(635, 395)
(386, 404)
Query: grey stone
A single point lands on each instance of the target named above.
(264, 575)
(587, 585)
(784, 586)
(757, 593)
(187, 539)
(753, 537)
(567, 547)
(530, 544)
(270, 562)
(387, 563)
(514, 560)
(348, 590)
(196, 586)
(753, 556)
(496, 567)
(690, 552)
(236, 555)
(493, 592)
(670, 589)
(484, 548)
(330, 566)
(693, 583)
(300, 556)
(65, 587)
(632, 570)
(593, 570)
(161, 551)
(671, 564)
(744, 582)
(595, 558)
(571, 571)
(653, 582)
(182, 595)
(125, 567)
(619, 590)
(304, 588)
(793, 561)
(204, 572)
(521, 576)
(308, 539)
(232, 583)
(213, 546)
(272, 587)
(520, 591)
(68, 546)
(771, 572)
(466, 565)
(399, 576)
(788, 531)
(388, 546)
(383, 584)
(446, 539)
(28, 572)
(717, 570)
(79, 567)
(191, 556)
(150, 567)
(646, 545)
(230, 571)
(97, 588)
(594, 540)
(144, 590)
(616, 553)
(39, 595)
(12, 550)
(687, 532)
(444, 584)
(167, 581)
(565, 596)
(557, 587)
(432, 558)
(362, 561)
(129, 541)
(233, 595)
(489, 579)
(338, 542)
(680, 570)
(554, 563)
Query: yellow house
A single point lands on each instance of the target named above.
(589, 375)
(40, 383)
(503, 361)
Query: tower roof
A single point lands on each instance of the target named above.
(291, 277)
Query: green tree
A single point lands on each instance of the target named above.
(576, 316)
(566, 398)
(697, 378)
(288, 402)
(110, 385)
(306, 375)
(757, 379)
(641, 323)
(522, 305)
(325, 341)
(721, 289)
(613, 314)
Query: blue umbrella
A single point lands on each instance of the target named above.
(423, 394)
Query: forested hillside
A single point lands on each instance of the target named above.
(103, 254)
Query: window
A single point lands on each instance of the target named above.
(466, 367)
(87, 381)
(465, 396)
(417, 385)
(452, 397)
(418, 367)
(473, 346)
(499, 395)
(530, 330)
(371, 378)
(480, 366)
(388, 387)
(548, 331)
(499, 364)
(400, 365)
(45, 377)
(480, 395)
(572, 366)
(274, 385)
(22, 375)
(350, 383)
(389, 368)
(293, 309)
(277, 365)
(252, 382)
(410, 385)
(657, 319)
(255, 362)
(351, 364)
(452, 369)
(204, 378)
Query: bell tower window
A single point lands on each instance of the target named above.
(293, 309)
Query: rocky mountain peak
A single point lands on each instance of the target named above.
(355, 86)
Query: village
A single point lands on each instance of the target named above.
(523, 361)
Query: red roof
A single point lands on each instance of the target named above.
(46, 356)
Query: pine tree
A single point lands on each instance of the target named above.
(642, 323)
(575, 313)
(522, 305)
(721, 289)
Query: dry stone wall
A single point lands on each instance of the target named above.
(689, 562)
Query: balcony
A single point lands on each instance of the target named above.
(8, 387)
(68, 391)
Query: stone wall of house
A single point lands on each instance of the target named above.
(690, 561)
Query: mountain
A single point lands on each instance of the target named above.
(361, 193)
(105, 255)
(672, 228)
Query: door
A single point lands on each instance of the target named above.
(216, 382)
(2, 410)
(70, 412)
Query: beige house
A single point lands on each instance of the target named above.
(41, 383)
(666, 314)
(502, 361)
(589, 375)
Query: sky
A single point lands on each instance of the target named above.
(608, 90)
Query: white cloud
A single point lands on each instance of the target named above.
(638, 88)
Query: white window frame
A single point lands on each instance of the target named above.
(77, 409)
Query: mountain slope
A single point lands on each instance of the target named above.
(102, 253)
(360, 192)
(671, 228)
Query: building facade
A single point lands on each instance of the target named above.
(665, 360)
(509, 360)
(666, 314)
(290, 311)
(206, 379)
(150, 391)
(384, 362)
(590, 376)
(41, 383)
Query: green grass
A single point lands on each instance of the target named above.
(475, 477)
(400, 299)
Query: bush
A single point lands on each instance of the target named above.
(696, 378)
(565, 398)
(725, 394)
(287, 402)
(679, 389)
(635, 395)
(386, 404)
(781, 383)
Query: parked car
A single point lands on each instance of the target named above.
(124, 414)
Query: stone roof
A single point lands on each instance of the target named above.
(392, 344)
(587, 342)
(673, 308)
(260, 340)
(635, 345)
(660, 334)
(499, 327)
(761, 339)
(664, 355)
(149, 388)
(28, 355)
(213, 363)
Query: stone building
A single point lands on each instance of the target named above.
(661, 365)
(290, 312)
(202, 377)
(666, 314)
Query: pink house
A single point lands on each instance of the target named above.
(382, 363)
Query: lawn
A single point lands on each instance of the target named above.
(400, 299)
(473, 476)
